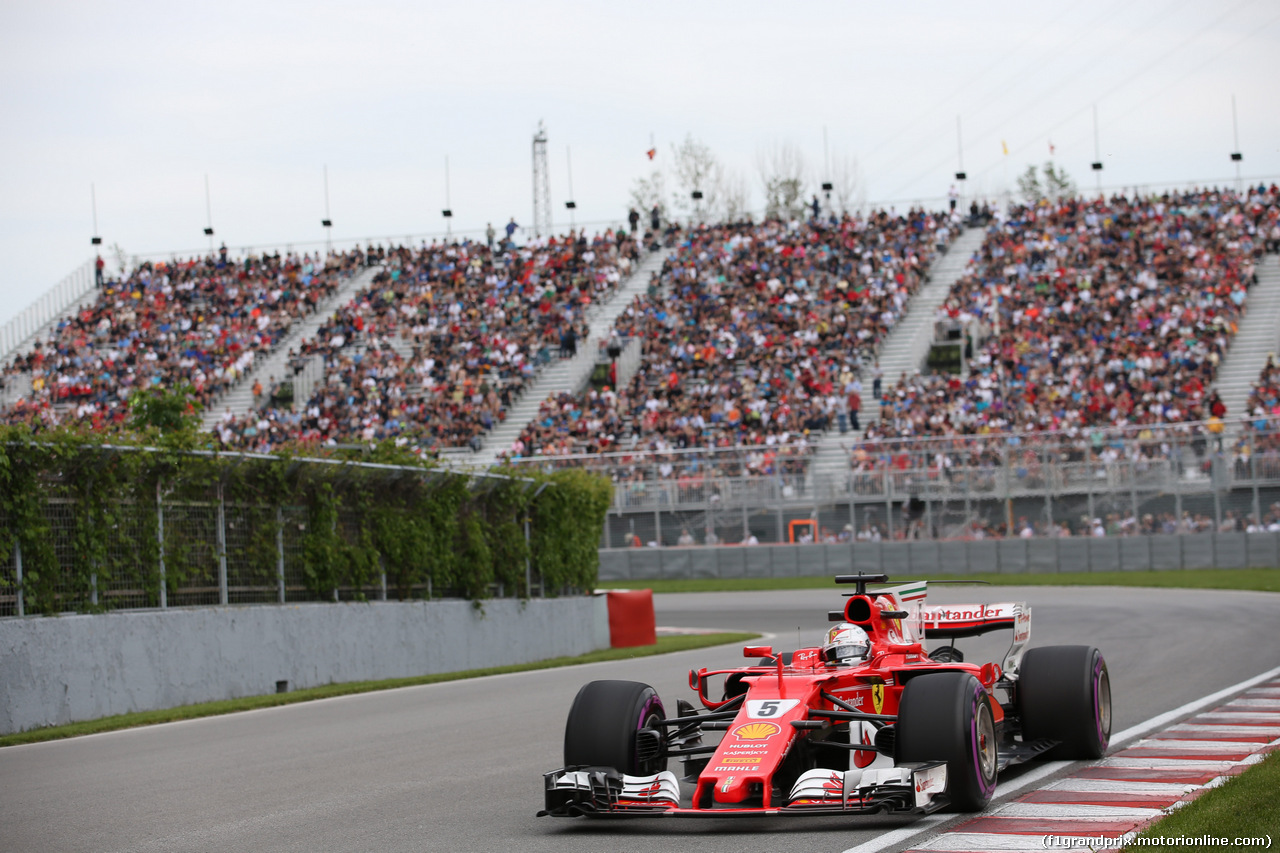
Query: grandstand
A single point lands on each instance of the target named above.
(750, 336)
(1087, 359)
(443, 340)
(198, 321)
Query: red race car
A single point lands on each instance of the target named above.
(868, 722)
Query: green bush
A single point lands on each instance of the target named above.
(381, 509)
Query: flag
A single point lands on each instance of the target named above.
(652, 152)
(1004, 145)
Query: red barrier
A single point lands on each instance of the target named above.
(631, 619)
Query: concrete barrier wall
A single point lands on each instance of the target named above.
(1011, 556)
(62, 669)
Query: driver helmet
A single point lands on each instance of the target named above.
(846, 644)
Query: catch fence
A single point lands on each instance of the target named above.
(193, 547)
(1150, 480)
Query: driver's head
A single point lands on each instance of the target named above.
(846, 644)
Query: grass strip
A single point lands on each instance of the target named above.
(1245, 807)
(1260, 580)
(665, 645)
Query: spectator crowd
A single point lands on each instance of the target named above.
(200, 322)
(435, 350)
(750, 336)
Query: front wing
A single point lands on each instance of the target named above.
(915, 788)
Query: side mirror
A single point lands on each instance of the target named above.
(757, 651)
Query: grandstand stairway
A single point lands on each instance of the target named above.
(567, 374)
(240, 398)
(904, 350)
(1257, 337)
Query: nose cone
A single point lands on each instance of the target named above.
(732, 789)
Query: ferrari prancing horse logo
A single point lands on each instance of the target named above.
(877, 697)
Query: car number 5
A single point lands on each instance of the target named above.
(765, 709)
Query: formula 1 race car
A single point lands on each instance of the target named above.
(869, 722)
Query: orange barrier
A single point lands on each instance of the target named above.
(631, 619)
(802, 522)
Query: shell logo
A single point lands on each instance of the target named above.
(755, 731)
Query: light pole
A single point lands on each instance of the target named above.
(327, 223)
(208, 212)
(447, 213)
(570, 205)
(1236, 156)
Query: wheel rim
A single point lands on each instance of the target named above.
(650, 716)
(1102, 704)
(985, 745)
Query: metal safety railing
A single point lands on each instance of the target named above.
(23, 328)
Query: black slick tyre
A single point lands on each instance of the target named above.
(603, 725)
(1064, 694)
(946, 716)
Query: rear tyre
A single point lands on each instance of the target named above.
(947, 717)
(1064, 694)
(603, 725)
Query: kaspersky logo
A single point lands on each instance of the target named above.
(755, 731)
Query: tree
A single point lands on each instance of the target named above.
(1058, 184)
(122, 259)
(846, 184)
(695, 168)
(733, 200)
(646, 192)
(174, 414)
(783, 177)
(1029, 186)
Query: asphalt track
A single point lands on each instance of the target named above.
(457, 766)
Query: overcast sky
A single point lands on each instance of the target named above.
(142, 100)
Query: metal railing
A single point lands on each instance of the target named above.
(1126, 482)
(23, 328)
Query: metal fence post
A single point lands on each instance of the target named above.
(887, 484)
(1253, 475)
(1005, 463)
(1215, 475)
(280, 555)
(1049, 465)
(528, 561)
(1089, 471)
(1133, 485)
(164, 590)
(17, 563)
(1177, 487)
(222, 548)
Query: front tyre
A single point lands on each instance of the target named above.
(947, 717)
(605, 728)
(1064, 694)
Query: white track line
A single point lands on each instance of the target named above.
(1204, 701)
(898, 836)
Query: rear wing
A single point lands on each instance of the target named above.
(953, 621)
(970, 620)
